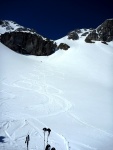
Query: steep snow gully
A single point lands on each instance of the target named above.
(69, 92)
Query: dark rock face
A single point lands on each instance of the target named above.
(27, 43)
(1, 22)
(73, 35)
(88, 40)
(103, 33)
(63, 46)
(25, 40)
(92, 36)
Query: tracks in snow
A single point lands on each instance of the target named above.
(54, 103)
(36, 82)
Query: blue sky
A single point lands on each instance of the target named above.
(55, 18)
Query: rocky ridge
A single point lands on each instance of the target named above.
(25, 40)
(28, 41)
(104, 32)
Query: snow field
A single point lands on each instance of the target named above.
(69, 92)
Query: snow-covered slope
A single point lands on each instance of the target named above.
(69, 92)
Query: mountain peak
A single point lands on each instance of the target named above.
(103, 32)
(8, 26)
(11, 26)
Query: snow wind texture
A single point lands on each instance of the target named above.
(70, 92)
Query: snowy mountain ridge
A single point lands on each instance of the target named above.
(27, 41)
(24, 40)
(11, 26)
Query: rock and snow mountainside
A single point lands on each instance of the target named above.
(103, 32)
(24, 40)
(27, 41)
(69, 92)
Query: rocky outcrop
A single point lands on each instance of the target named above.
(73, 35)
(105, 31)
(24, 40)
(92, 36)
(27, 43)
(102, 33)
(63, 46)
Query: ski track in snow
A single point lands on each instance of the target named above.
(28, 84)
(40, 86)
